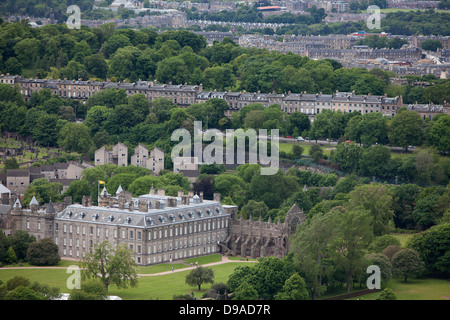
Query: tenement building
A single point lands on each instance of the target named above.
(156, 227)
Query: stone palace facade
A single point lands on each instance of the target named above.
(156, 227)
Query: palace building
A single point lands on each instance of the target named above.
(156, 227)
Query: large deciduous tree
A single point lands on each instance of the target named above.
(406, 129)
(112, 264)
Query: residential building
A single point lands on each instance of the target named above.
(153, 160)
(117, 156)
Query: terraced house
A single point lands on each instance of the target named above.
(185, 95)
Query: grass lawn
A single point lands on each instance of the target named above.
(417, 289)
(161, 287)
(287, 147)
(402, 237)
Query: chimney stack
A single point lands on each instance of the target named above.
(172, 202)
(121, 202)
(201, 196)
(217, 197)
(131, 205)
(143, 207)
(185, 200)
(161, 192)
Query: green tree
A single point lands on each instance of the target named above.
(355, 234)
(316, 152)
(11, 256)
(431, 45)
(93, 290)
(199, 276)
(406, 129)
(77, 189)
(376, 199)
(407, 263)
(111, 264)
(43, 253)
(374, 161)
(47, 129)
(44, 191)
(347, 156)
(433, 246)
(255, 210)
(27, 51)
(20, 241)
(293, 289)
(387, 294)
(440, 134)
(382, 242)
(245, 291)
(311, 246)
(96, 65)
(75, 137)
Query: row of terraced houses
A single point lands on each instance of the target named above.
(185, 95)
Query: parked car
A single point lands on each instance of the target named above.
(300, 139)
(288, 137)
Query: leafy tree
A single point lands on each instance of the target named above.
(407, 263)
(199, 276)
(96, 118)
(384, 263)
(27, 50)
(96, 65)
(255, 210)
(11, 256)
(77, 189)
(108, 98)
(43, 253)
(347, 156)
(311, 248)
(111, 264)
(431, 45)
(376, 200)
(406, 129)
(375, 161)
(273, 189)
(20, 241)
(115, 42)
(387, 294)
(47, 129)
(75, 137)
(316, 152)
(293, 289)
(89, 291)
(245, 291)
(355, 234)
(44, 191)
(433, 247)
(11, 163)
(382, 242)
(440, 134)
